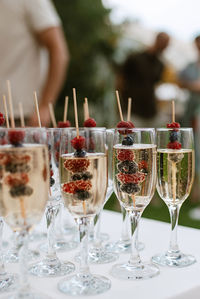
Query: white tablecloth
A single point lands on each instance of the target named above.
(172, 283)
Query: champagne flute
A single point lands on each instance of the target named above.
(175, 168)
(51, 265)
(83, 178)
(134, 184)
(24, 189)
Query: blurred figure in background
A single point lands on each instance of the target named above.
(27, 27)
(189, 78)
(137, 79)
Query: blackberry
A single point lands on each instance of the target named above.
(82, 176)
(128, 140)
(127, 167)
(173, 136)
(82, 195)
(13, 168)
(76, 176)
(21, 190)
(130, 188)
(144, 156)
(80, 153)
(87, 176)
(52, 181)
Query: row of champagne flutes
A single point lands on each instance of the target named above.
(86, 186)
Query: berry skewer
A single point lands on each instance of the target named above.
(37, 109)
(6, 112)
(52, 115)
(129, 109)
(21, 113)
(89, 122)
(65, 123)
(10, 104)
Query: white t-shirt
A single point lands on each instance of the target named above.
(22, 60)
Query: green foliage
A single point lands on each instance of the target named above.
(92, 42)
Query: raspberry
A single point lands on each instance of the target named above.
(131, 123)
(16, 137)
(73, 187)
(2, 119)
(130, 188)
(173, 125)
(17, 179)
(174, 145)
(127, 167)
(69, 188)
(124, 124)
(51, 172)
(78, 142)
(125, 154)
(83, 185)
(142, 165)
(89, 123)
(77, 165)
(136, 178)
(64, 124)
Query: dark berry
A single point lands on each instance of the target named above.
(78, 143)
(16, 137)
(64, 124)
(80, 153)
(13, 168)
(173, 136)
(21, 190)
(128, 140)
(87, 176)
(145, 155)
(130, 188)
(76, 176)
(52, 181)
(82, 176)
(89, 123)
(82, 195)
(127, 167)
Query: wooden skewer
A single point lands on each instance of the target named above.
(173, 111)
(84, 112)
(21, 113)
(10, 103)
(52, 115)
(129, 109)
(76, 112)
(119, 105)
(84, 208)
(6, 112)
(37, 109)
(65, 109)
(87, 114)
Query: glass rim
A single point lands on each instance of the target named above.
(172, 129)
(85, 128)
(134, 129)
(22, 129)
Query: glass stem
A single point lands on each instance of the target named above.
(24, 288)
(2, 267)
(135, 257)
(50, 217)
(98, 226)
(59, 224)
(84, 225)
(125, 234)
(174, 215)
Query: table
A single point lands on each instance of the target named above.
(172, 283)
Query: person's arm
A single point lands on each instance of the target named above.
(192, 86)
(53, 40)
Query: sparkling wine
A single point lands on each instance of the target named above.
(175, 174)
(83, 183)
(24, 183)
(133, 169)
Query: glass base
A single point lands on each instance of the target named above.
(130, 272)
(119, 246)
(60, 245)
(179, 260)
(69, 230)
(99, 256)
(13, 257)
(51, 268)
(104, 237)
(8, 282)
(84, 285)
(29, 295)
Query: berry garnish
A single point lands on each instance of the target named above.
(82, 176)
(173, 125)
(173, 136)
(78, 143)
(64, 124)
(69, 188)
(83, 185)
(21, 190)
(16, 137)
(82, 195)
(17, 167)
(89, 123)
(17, 179)
(73, 187)
(125, 154)
(131, 124)
(124, 124)
(2, 119)
(136, 178)
(127, 167)
(130, 188)
(128, 140)
(77, 165)
(80, 153)
(51, 172)
(174, 145)
(52, 181)
(143, 165)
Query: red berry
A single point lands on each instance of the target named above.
(64, 124)
(131, 123)
(77, 165)
(142, 165)
(173, 125)
(78, 142)
(125, 154)
(174, 145)
(90, 122)
(17, 179)
(51, 172)
(136, 178)
(124, 124)
(73, 187)
(69, 188)
(2, 119)
(83, 185)
(16, 137)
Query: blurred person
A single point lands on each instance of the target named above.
(33, 55)
(138, 77)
